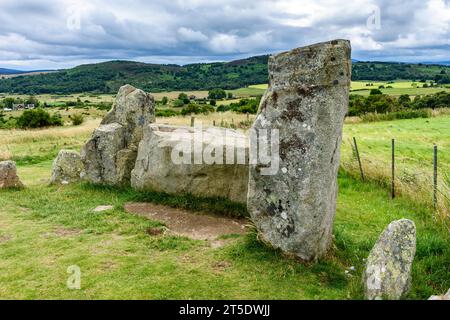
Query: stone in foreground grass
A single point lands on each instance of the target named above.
(120, 260)
(8, 175)
(389, 265)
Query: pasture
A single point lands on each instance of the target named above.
(394, 88)
(45, 229)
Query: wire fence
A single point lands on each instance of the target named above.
(424, 181)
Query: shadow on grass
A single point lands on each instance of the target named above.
(189, 202)
(326, 273)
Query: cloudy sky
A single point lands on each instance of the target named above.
(52, 34)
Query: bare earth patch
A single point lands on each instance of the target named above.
(62, 232)
(184, 223)
(5, 238)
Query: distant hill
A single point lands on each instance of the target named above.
(387, 71)
(107, 77)
(10, 71)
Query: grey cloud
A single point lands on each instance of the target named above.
(34, 34)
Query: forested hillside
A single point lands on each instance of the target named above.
(107, 77)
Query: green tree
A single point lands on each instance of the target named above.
(38, 118)
(8, 102)
(404, 100)
(184, 97)
(375, 92)
(164, 100)
(217, 94)
(178, 103)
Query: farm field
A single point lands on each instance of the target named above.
(56, 99)
(358, 87)
(109, 98)
(415, 139)
(398, 88)
(45, 229)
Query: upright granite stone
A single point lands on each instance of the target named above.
(388, 269)
(8, 175)
(67, 167)
(306, 102)
(109, 156)
(167, 162)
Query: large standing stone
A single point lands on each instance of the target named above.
(156, 169)
(109, 156)
(388, 269)
(67, 167)
(306, 101)
(8, 175)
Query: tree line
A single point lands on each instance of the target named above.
(108, 77)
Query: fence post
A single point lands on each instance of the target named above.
(192, 121)
(393, 170)
(214, 123)
(435, 176)
(359, 159)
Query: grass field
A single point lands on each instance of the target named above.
(60, 99)
(45, 229)
(357, 87)
(415, 140)
(99, 98)
(398, 88)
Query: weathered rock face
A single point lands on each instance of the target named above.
(306, 102)
(8, 175)
(67, 167)
(109, 156)
(388, 269)
(156, 169)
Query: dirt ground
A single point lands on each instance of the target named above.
(192, 225)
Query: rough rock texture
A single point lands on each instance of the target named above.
(67, 167)
(444, 297)
(388, 269)
(109, 156)
(8, 175)
(306, 101)
(156, 170)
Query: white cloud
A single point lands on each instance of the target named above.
(184, 30)
(229, 43)
(189, 35)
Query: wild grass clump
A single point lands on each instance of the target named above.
(77, 119)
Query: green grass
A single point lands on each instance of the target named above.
(251, 91)
(415, 139)
(360, 88)
(409, 91)
(49, 229)
(45, 229)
